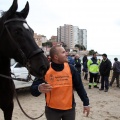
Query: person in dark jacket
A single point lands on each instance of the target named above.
(84, 58)
(85, 69)
(105, 68)
(70, 58)
(58, 86)
(78, 63)
(116, 72)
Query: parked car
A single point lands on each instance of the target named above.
(19, 71)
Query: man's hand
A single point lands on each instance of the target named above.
(86, 110)
(44, 88)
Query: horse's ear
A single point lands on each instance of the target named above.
(25, 11)
(12, 9)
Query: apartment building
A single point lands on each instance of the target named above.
(72, 35)
(83, 37)
(40, 39)
(53, 39)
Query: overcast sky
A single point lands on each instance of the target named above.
(101, 18)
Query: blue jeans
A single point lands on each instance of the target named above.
(104, 82)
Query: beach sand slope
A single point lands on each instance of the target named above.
(104, 105)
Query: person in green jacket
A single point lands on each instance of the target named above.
(93, 67)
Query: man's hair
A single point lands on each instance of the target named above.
(105, 55)
(116, 59)
(54, 51)
(94, 53)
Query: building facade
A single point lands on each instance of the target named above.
(53, 39)
(39, 39)
(72, 35)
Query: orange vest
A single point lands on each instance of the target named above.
(61, 94)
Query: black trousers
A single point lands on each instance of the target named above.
(104, 82)
(93, 77)
(52, 114)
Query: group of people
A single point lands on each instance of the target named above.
(96, 67)
(99, 70)
(102, 69)
(63, 77)
(75, 61)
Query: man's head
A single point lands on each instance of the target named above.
(49, 58)
(77, 56)
(116, 59)
(58, 54)
(104, 56)
(94, 54)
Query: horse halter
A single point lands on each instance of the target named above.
(26, 61)
(25, 58)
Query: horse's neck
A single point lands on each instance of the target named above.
(4, 65)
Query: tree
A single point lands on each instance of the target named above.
(83, 47)
(80, 47)
(48, 44)
(63, 44)
(91, 52)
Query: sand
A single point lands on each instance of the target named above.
(104, 105)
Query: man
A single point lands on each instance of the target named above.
(78, 63)
(85, 70)
(105, 68)
(49, 58)
(85, 67)
(93, 67)
(116, 72)
(58, 86)
(70, 59)
(84, 58)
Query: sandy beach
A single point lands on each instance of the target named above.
(104, 105)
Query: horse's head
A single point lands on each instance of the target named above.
(16, 41)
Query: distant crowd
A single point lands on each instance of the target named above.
(98, 70)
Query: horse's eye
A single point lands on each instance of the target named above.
(18, 30)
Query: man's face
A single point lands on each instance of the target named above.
(62, 55)
(104, 57)
(49, 58)
(94, 55)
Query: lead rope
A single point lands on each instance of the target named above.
(29, 76)
(24, 111)
(16, 96)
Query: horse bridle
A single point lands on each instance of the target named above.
(26, 60)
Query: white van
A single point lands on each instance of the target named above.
(20, 72)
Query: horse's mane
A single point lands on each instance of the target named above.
(2, 13)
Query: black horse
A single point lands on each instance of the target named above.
(16, 41)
